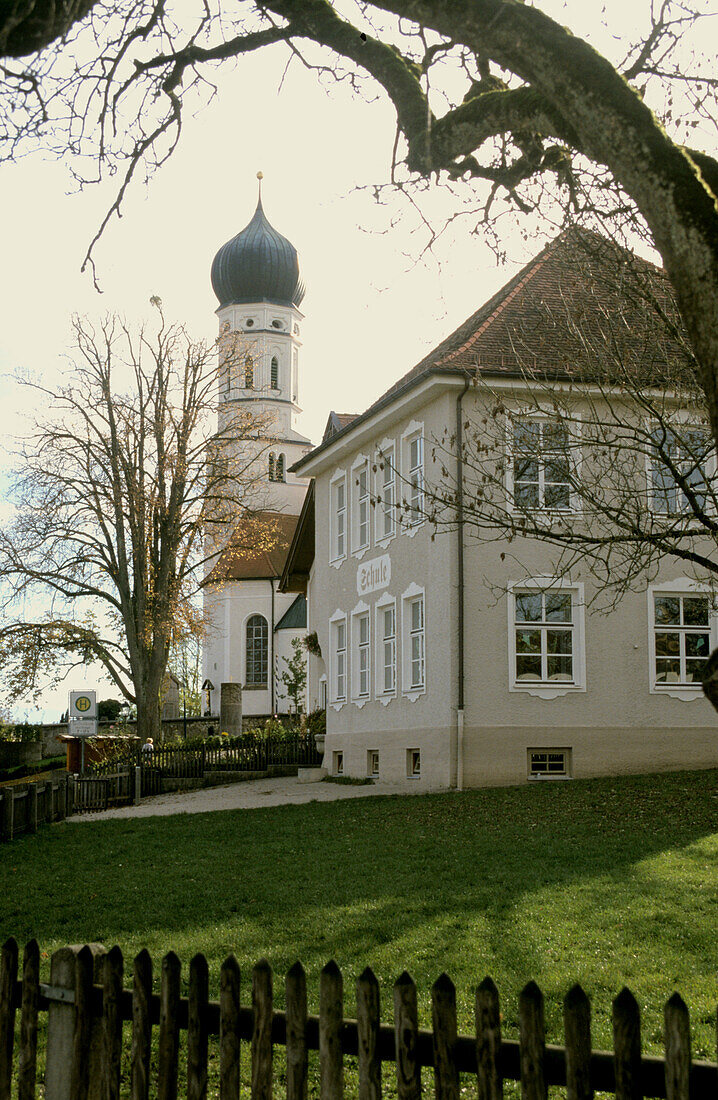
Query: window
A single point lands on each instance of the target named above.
(681, 638)
(339, 655)
(272, 466)
(413, 763)
(546, 638)
(677, 467)
(541, 465)
(280, 468)
(413, 642)
(549, 763)
(338, 518)
(248, 372)
(372, 763)
(257, 651)
(386, 478)
(415, 476)
(274, 373)
(360, 628)
(360, 503)
(338, 758)
(386, 653)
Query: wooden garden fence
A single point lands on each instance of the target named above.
(27, 805)
(87, 1006)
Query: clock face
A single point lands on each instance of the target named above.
(83, 703)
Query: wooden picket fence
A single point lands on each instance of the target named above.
(99, 1011)
(25, 806)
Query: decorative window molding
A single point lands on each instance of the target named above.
(323, 691)
(361, 654)
(386, 649)
(338, 669)
(360, 506)
(412, 477)
(682, 632)
(385, 513)
(338, 510)
(543, 463)
(547, 650)
(274, 373)
(413, 642)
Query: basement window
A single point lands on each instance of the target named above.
(372, 763)
(549, 763)
(413, 763)
(339, 763)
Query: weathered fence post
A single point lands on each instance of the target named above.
(678, 1049)
(368, 1022)
(170, 993)
(141, 1026)
(577, 1032)
(8, 977)
(197, 1035)
(61, 1026)
(532, 1037)
(406, 1030)
(627, 1046)
(296, 1010)
(27, 1059)
(262, 1031)
(113, 971)
(32, 807)
(443, 1017)
(8, 811)
(137, 791)
(229, 1039)
(488, 1041)
(331, 1015)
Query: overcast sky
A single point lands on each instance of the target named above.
(371, 309)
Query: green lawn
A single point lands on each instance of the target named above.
(606, 882)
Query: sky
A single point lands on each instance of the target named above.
(373, 308)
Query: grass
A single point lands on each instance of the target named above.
(606, 882)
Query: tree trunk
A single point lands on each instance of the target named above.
(149, 721)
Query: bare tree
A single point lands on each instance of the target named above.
(124, 489)
(491, 92)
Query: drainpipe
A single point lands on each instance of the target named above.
(460, 584)
(270, 670)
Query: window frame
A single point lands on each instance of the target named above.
(385, 450)
(413, 431)
(548, 689)
(338, 619)
(682, 586)
(372, 763)
(359, 468)
(360, 651)
(339, 478)
(683, 508)
(412, 756)
(549, 776)
(574, 459)
(274, 373)
(383, 604)
(256, 685)
(411, 691)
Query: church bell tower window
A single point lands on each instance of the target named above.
(274, 373)
(248, 372)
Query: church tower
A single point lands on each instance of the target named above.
(256, 278)
(250, 624)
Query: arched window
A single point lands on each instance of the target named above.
(257, 650)
(248, 372)
(272, 467)
(280, 468)
(274, 373)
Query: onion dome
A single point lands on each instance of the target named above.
(258, 265)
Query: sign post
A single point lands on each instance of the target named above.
(82, 719)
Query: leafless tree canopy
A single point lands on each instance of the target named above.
(122, 488)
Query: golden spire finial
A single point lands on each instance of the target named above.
(260, 177)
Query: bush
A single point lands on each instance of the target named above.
(317, 722)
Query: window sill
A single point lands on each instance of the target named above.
(362, 702)
(411, 529)
(685, 692)
(386, 699)
(414, 694)
(384, 541)
(336, 562)
(360, 551)
(545, 691)
(255, 687)
(338, 706)
(548, 778)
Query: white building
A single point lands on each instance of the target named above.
(460, 661)
(250, 624)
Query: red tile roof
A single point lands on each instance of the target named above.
(258, 548)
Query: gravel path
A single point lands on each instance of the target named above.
(243, 796)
